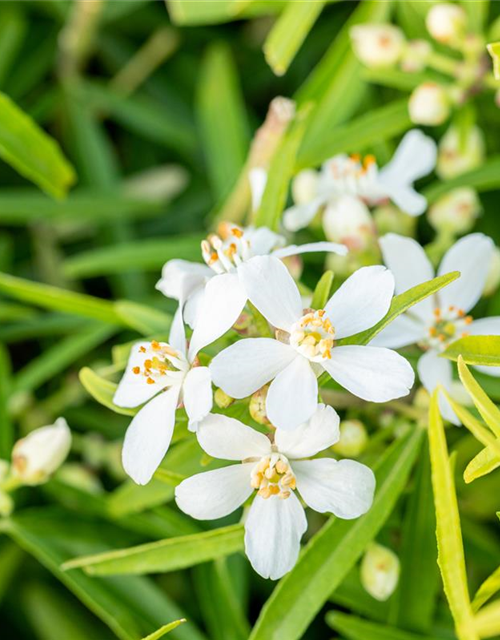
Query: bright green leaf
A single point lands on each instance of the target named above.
(145, 320)
(484, 178)
(489, 411)
(488, 621)
(486, 461)
(167, 628)
(476, 350)
(322, 292)
(102, 390)
(488, 589)
(353, 628)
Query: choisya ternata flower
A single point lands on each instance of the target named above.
(215, 292)
(162, 377)
(305, 344)
(439, 320)
(343, 180)
(274, 472)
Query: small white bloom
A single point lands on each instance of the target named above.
(380, 572)
(415, 56)
(275, 472)
(458, 156)
(377, 45)
(41, 452)
(429, 104)
(162, 377)
(305, 344)
(440, 319)
(446, 23)
(344, 179)
(456, 211)
(493, 277)
(348, 220)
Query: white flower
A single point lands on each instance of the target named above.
(349, 221)
(429, 104)
(215, 293)
(275, 472)
(457, 156)
(162, 376)
(380, 572)
(446, 22)
(305, 344)
(377, 45)
(456, 211)
(41, 452)
(344, 178)
(440, 319)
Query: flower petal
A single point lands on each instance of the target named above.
(432, 371)
(177, 335)
(344, 488)
(263, 240)
(192, 306)
(249, 364)
(229, 439)
(293, 395)
(371, 373)
(310, 247)
(148, 436)
(401, 332)
(301, 215)
(319, 433)
(471, 255)
(272, 290)
(257, 177)
(215, 494)
(222, 303)
(197, 393)
(410, 266)
(486, 327)
(180, 278)
(273, 530)
(361, 301)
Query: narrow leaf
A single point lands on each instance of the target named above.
(354, 628)
(477, 350)
(486, 461)
(488, 621)
(102, 390)
(145, 320)
(485, 178)
(489, 411)
(488, 589)
(164, 630)
(322, 292)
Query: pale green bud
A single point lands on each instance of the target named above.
(415, 56)
(380, 572)
(390, 219)
(257, 406)
(458, 156)
(353, 439)
(6, 504)
(305, 186)
(377, 45)
(455, 212)
(429, 104)
(222, 400)
(446, 23)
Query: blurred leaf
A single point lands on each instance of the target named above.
(164, 630)
(13, 27)
(165, 555)
(353, 628)
(397, 79)
(334, 550)
(487, 622)
(322, 292)
(488, 589)
(11, 557)
(186, 13)
(489, 411)
(352, 596)
(102, 390)
(477, 350)
(449, 534)
(485, 178)
(31, 151)
(145, 320)
(6, 428)
(289, 32)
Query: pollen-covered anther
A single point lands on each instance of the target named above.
(273, 476)
(157, 363)
(227, 249)
(313, 336)
(449, 324)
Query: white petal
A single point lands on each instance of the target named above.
(271, 288)
(311, 247)
(401, 332)
(344, 488)
(148, 436)
(221, 306)
(486, 327)
(410, 266)
(257, 178)
(192, 306)
(229, 439)
(249, 364)
(415, 157)
(407, 199)
(361, 301)
(432, 371)
(180, 278)
(371, 373)
(319, 433)
(273, 531)
(301, 215)
(293, 395)
(177, 336)
(197, 393)
(471, 255)
(133, 389)
(263, 240)
(215, 494)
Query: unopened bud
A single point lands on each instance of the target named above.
(40, 453)
(415, 56)
(390, 219)
(305, 186)
(493, 277)
(349, 222)
(6, 504)
(222, 400)
(429, 104)
(380, 572)
(456, 211)
(377, 45)
(245, 325)
(257, 407)
(353, 439)
(446, 23)
(457, 156)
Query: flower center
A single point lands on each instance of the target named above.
(313, 336)
(224, 251)
(273, 476)
(160, 360)
(449, 324)
(347, 172)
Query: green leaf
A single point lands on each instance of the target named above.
(351, 595)
(145, 320)
(400, 304)
(476, 350)
(489, 411)
(102, 390)
(31, 151)
(488, 621)
(451, 558)
(488, 589)
(354, 628)
(322, 292)
(333, 551)
(223, 121)
(167, 628)
(485, 178)
(486, 461)
(12, 33)
(289, 32)
(7, 428)
(185, 12)
(494, 51)
(165, 555)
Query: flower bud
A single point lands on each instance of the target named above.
(257, 406)
(493, 277)
(456, 211)
(390, 219)
(245, 325)
(305, 186)
(353, 439)
(429, 104)
(76, 475)
(349, 222)
(446, 23)
(40, 453)
(222, 400)
(380, 572)
(6, 504)
(377, 45)
(458, 156)
(415, 56)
